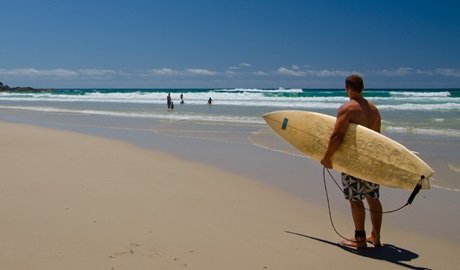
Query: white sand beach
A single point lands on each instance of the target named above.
(75, 201)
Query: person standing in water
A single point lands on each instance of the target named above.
(168, 100)
(362, 112)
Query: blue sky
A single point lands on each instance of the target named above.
(238, 43)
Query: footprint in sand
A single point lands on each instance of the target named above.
(123, 253)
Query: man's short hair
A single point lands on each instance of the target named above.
(355, 83)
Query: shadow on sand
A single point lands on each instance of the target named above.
(386, 252)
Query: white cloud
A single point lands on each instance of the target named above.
(245, 65)
(32, 72)
(163, 71)
(332, 73)
(447, 72)
(199, 71)
(406, 71)
(289, 72)
(402, 71)
(239, 66)
(59, 73)
(260, 73)
(186, 72)
(96, 72)
(314, 73)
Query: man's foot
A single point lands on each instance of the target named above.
(374, 241)
(354, 242)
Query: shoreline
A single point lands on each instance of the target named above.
(182, 211)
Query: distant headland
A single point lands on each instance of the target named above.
(6, 88)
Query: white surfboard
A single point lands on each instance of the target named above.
(363, 153)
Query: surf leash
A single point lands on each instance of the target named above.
(329, 205)
(409, 201)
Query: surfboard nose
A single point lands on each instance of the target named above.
(274, 119)
(273, 116)
(267, 116)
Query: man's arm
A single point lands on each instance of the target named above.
(340, 128)
(378, 124)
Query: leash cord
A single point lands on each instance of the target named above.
(409, 201)
(411, 198)
(329, 206)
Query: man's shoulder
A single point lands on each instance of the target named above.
(350, 105)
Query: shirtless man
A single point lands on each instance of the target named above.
(362, 112)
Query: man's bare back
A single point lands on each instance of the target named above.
(359, 111)
(362, 112)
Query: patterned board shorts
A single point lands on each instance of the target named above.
(356, 189)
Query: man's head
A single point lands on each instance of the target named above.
(354, 83)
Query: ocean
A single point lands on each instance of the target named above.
(424, 120)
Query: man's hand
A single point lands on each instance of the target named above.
(327, 162)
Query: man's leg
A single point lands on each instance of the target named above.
(352, 191)
(376, 219)
(359, 215)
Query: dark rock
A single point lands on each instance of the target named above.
(6, 88)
